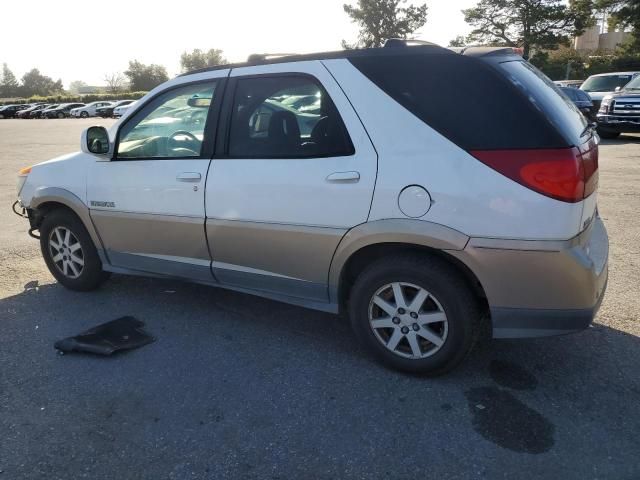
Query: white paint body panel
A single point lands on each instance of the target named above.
(296, 191)
(467, 195)
(148, 186)
(68, 172)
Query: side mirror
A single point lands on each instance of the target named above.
(95, 140)
(618, 89)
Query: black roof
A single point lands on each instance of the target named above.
(390, 49)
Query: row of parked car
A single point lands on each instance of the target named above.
(64, 110)
(612, 100)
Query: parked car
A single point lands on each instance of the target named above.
(44, 112)
(582, 101)
(620, 111)
(603, 84)
(10, 111)
(88, 110)
(62, 110)
(107, 110)
(27, 112)
(569, 83)
(420, 227)
(120, 110)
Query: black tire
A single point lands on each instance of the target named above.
(84, 114)
(61, 115)
(91, 275)
(608, 134)
(445, 284)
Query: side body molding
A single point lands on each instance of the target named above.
(406, 231)
(65, 197)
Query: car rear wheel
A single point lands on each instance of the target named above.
(69, 252)
(414, 313)
(61, 115)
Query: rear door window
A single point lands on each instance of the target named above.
(285, 117)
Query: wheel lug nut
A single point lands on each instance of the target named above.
(396, 320)
(401, 311)
(414, 315)
(405, 330)
(416, 327)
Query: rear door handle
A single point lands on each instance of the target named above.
(189, 177)
(343, 177)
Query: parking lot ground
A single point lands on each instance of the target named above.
(242, 387)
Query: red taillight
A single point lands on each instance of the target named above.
(566, 174)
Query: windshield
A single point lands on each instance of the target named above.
(633, 84)
(607, 83)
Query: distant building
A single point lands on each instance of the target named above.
(593, 39)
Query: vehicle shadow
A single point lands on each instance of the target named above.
(254, 370)
(623, 139)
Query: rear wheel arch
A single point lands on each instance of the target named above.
(363, 257)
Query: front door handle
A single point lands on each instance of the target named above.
(343, 177)
(189, 177)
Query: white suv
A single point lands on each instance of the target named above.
(426, 195)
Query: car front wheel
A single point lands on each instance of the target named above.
(414, 313)
(84, 114)
(69, 252)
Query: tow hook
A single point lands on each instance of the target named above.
(23, 213)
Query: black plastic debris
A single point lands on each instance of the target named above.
(123, 333)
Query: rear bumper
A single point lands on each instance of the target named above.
(541, 288)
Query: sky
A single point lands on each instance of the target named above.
(84, 39)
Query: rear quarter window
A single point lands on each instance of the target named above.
(543, 95)
(463, 98)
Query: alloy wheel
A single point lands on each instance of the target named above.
(408, 320)
(66, 252)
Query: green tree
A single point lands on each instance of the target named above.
(198, 59)
(76, 86)
(623, 14)
(145, 77)
(380, 20)
(459, 41)
(9, 86)
(530, 24)
(34, 83)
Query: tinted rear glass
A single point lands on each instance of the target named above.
(464, 99)
(546, 98)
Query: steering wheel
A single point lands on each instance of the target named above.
(173, 143)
